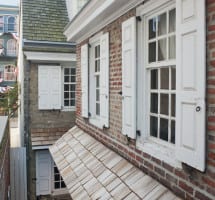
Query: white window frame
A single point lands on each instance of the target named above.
(11, 47)
(2, 25)
(55, 191)
(67, 108)
(14, 24)
(93, 118)
(160, 149)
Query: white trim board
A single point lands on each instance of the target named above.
(47, 56)
(88, 24)
(40, 147)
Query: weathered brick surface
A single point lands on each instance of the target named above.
(4, 165)
(188, 184)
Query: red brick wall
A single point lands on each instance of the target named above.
(188, 183)
(4, 165)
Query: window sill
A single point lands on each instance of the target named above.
(57, 192)
(161, 152)
(68, 109)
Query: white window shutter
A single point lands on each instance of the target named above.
(190, 81)
(55, 85)
(43, 88)
(129, 77)
(84, 80)
(49, 87)
(104, 79)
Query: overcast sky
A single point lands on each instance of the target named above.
(9, 2)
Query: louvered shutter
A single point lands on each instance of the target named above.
(129, 77)
(190, 70)
(104, 79)
(49, 87)
(84, 80)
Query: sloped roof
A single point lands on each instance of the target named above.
(92, 171)
(44, 20)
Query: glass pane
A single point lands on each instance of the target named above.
(164, 104)
(152, 28)
(66, 95)
(162, 24)
(173, 78)
(72, 87)
(66, 102)
(162, 49)
(164, 129)
(152, 52)
(63, 185)
(73, 71)
(172, 20)
(56, 185)
(164, 78)
(97, 109)
(72, 95)
(56, 177)
(72, 78)
(66, 79)
(97, 81)
(98, 65)
(72, 102)
(172, 47)
(154, 103)
(66, 87)
(98, 51)
(56, 170)
(172, 132)
(97, 95)
(154, 79)
(96, 54)
(66, 71)
(173, 105)
(153, 126)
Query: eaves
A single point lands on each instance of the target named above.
(96, 15)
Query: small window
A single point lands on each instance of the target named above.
(11, 24)
(11, 47)
(10, 73)
(69, 85)
(58, 180)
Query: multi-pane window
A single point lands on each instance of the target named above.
(58, 180)
(1, 23)
(11, 23)
(11, 47)
(69, 75)
(162, 75)
(97, 78)
(10, 73)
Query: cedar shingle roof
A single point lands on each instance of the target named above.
(44, 20)
(92, 171)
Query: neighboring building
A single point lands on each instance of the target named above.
(4, 158)
(8, 44)
(47, 75)
(141, 90)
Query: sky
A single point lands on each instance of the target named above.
(9, 2)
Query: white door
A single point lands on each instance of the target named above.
(43, 172)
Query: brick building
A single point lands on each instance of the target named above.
(47, 79)
(4, 158)
(145, 89)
